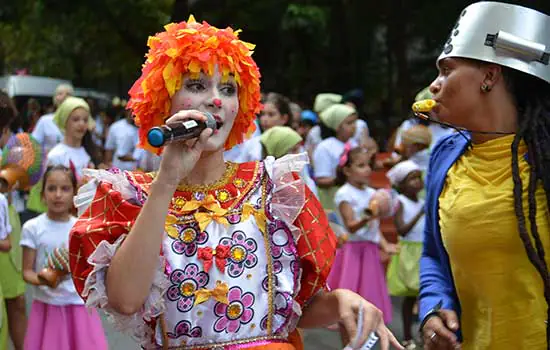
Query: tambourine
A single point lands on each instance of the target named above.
(383, 204)
(23, 161)
(57, 267)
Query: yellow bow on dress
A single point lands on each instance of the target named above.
(209, 202)
(214, 211)
(169, 227)
(205, 217)
(259, 215)
(219, 293)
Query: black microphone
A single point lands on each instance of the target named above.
(180, 131)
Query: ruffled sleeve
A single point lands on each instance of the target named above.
(293, 202)
(108, 206)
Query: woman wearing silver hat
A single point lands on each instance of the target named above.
(484, 271)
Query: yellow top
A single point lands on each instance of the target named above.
(500, 291)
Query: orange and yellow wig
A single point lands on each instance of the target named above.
(191, 47)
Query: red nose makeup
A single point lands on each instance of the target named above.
(217, 102)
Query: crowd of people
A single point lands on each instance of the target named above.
(76, 137)
(278, 220)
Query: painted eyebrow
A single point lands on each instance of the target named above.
(204, 73)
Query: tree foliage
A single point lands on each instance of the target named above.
(387, 48)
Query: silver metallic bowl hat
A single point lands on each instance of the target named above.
(509, 35)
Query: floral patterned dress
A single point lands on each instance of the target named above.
(238, 262)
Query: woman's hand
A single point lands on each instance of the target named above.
(349, 304)
(179, 158)
(438, 331)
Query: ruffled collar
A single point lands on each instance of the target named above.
(227, 193)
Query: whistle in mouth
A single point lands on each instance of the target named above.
(423, 106)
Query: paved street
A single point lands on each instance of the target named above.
(314, 339)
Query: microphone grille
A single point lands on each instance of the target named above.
(210, 121)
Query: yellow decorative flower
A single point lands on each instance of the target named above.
(238, 254)
(187, 289)
(239, 183)
(223, 195)
(234, 311)
(178, 203)
(188, 235)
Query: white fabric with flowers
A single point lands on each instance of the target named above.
(227, 276)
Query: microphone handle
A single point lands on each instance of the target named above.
(180, 131)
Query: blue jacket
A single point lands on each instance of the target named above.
(436, 279)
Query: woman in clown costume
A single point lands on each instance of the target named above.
(207, 254)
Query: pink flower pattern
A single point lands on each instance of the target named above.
(184, 284)
(277, 268)
(183, 328)
(247, 258)
(237, 313)
(283, 308)
(189, 248)
(285, 242)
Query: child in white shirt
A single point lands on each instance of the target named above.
(404, 268)
(58, 318)
(77, 149)
(358, 265)
(121, 143)
(338, 127)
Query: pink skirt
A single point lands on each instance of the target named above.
(69, 327)
(358, 267)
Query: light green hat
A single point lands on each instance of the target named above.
(323, 101)
(425, 94)
(278, 140)
(334, 115)
(66, 108)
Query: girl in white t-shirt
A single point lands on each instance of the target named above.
(337, 129)
(77, 149)
(276, 112)
(357, 265)
(58, 319)
(72, 117)
(403, 271)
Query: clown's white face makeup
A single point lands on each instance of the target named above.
(210, 94)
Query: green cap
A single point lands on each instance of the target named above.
(278, 140)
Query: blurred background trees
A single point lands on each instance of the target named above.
(387, 48)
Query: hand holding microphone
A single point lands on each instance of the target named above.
(184, 137)
(181, 130)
